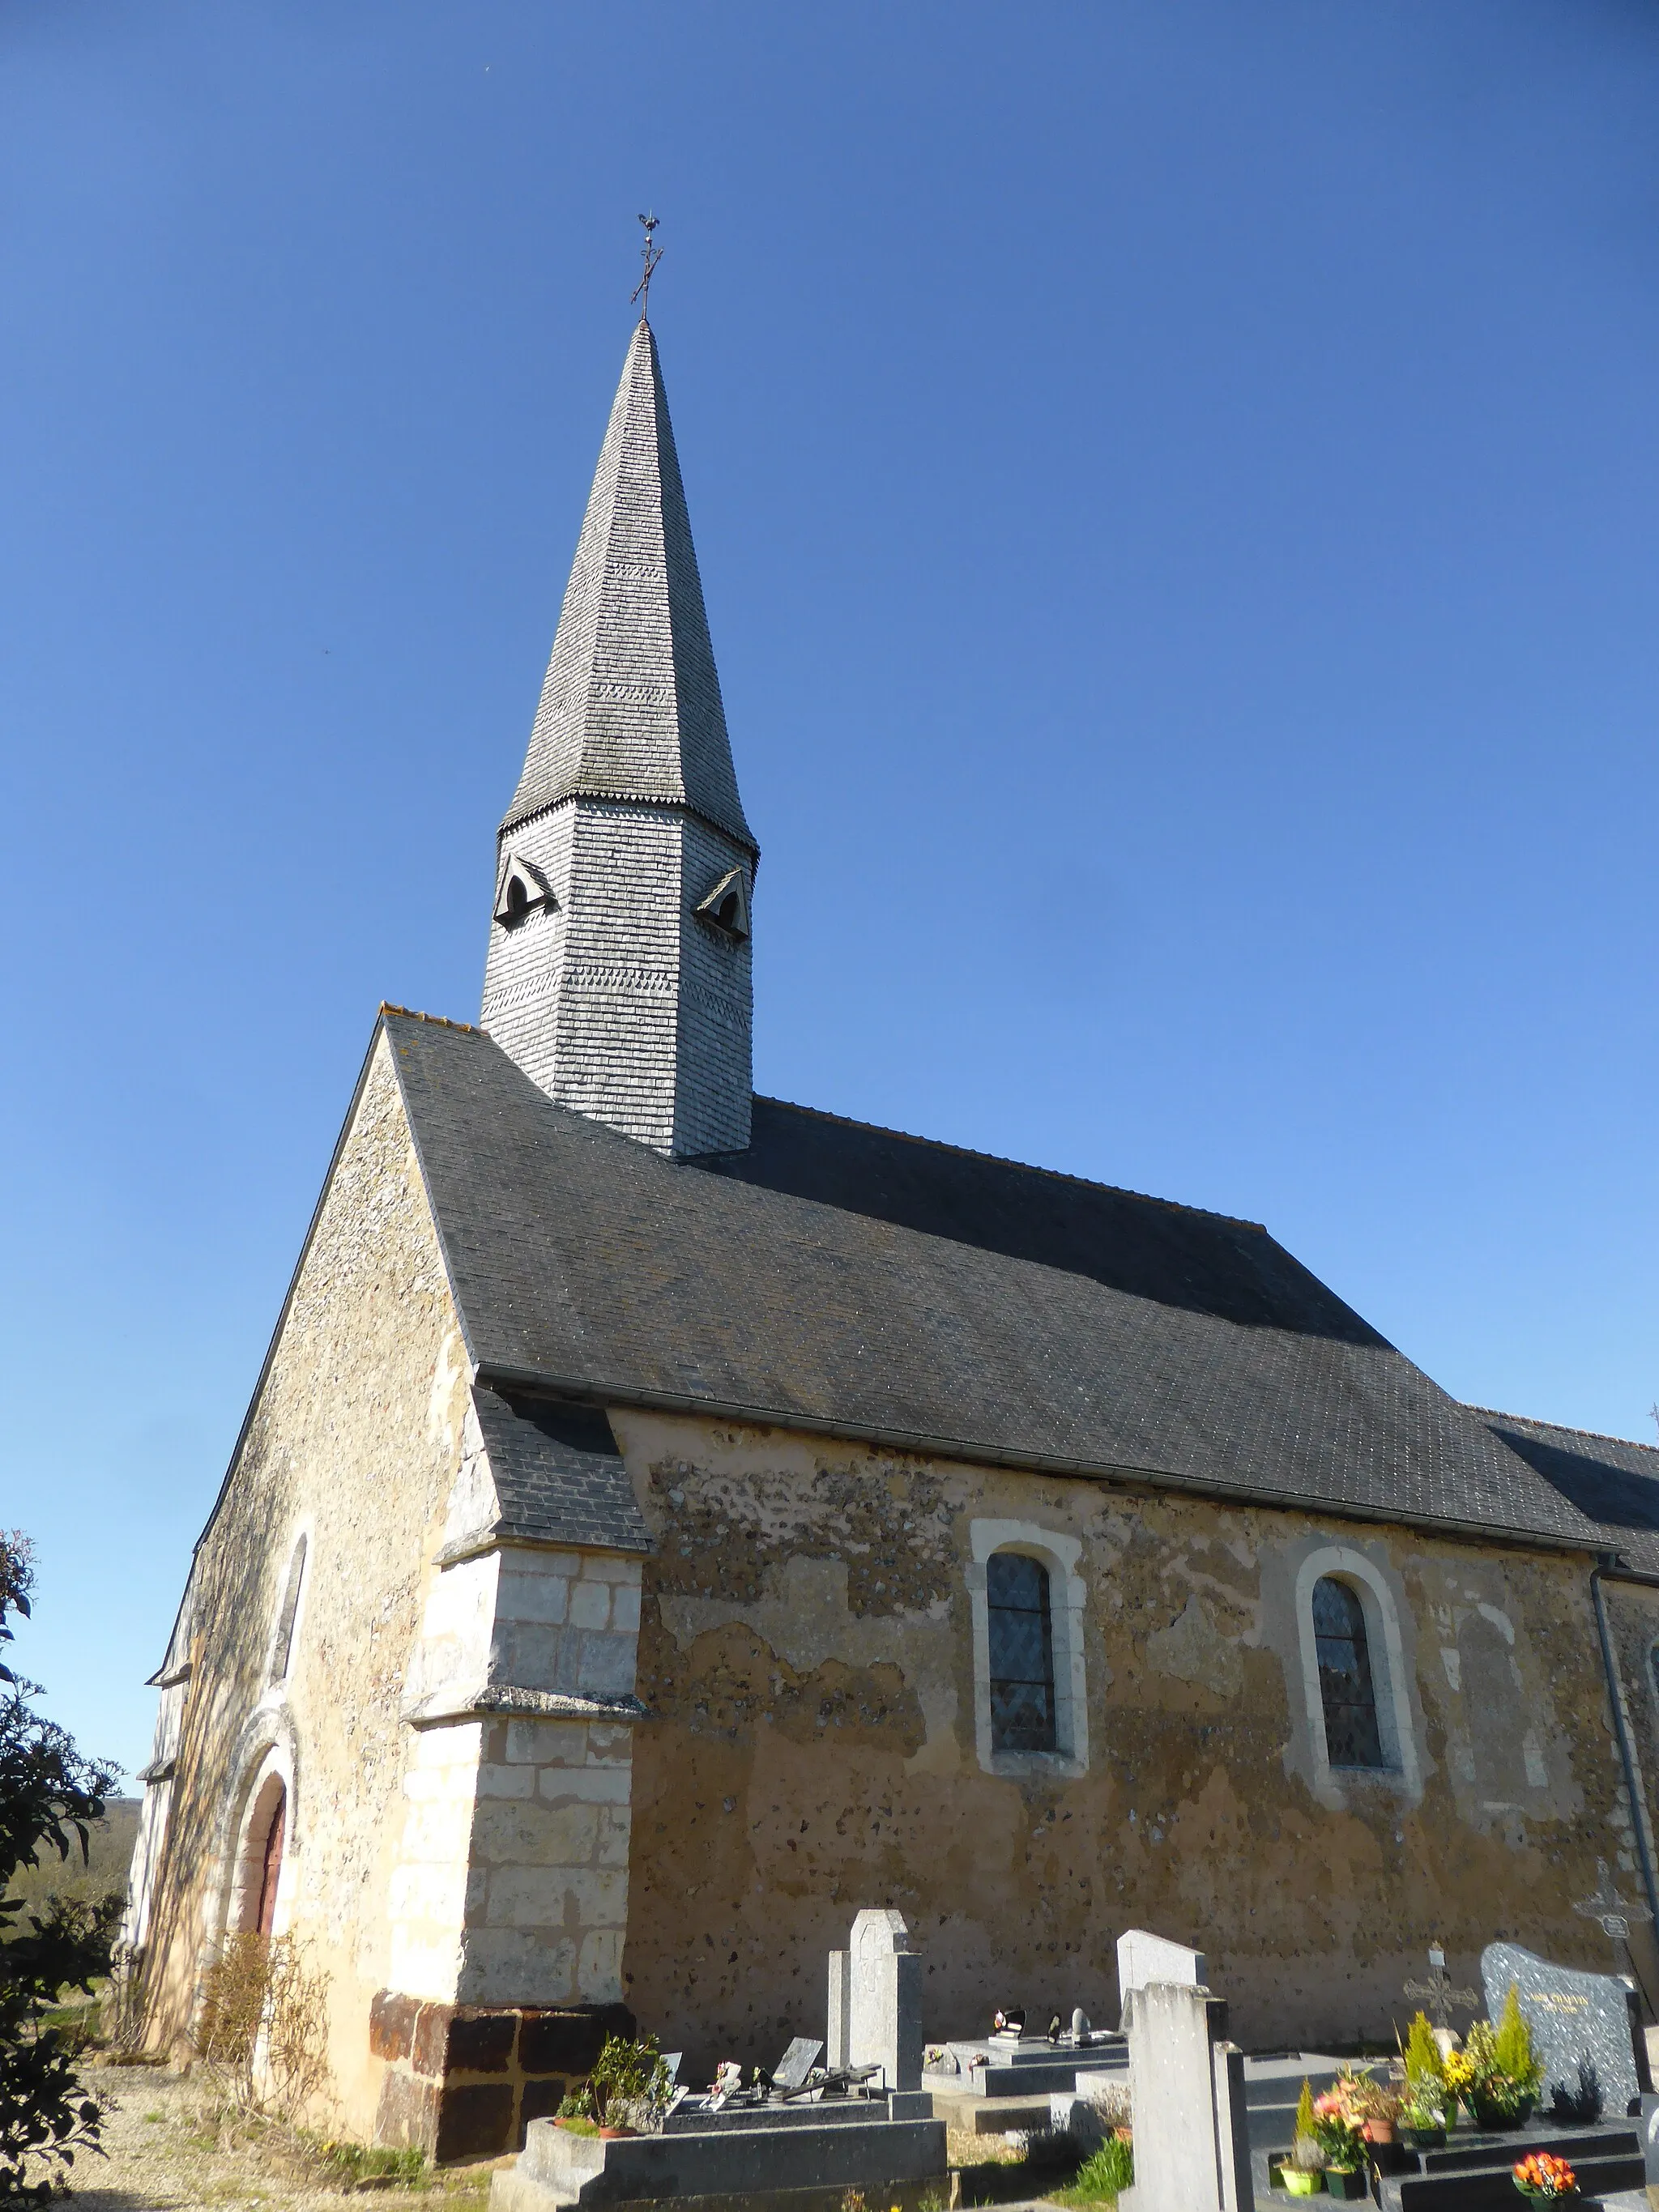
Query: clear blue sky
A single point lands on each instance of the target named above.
(1175, 488)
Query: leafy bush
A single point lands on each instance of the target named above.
(629, 2087)
(49, 1796)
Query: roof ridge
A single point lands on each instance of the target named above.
(1027, 1167)
(1567, 1428)
(441, 1021)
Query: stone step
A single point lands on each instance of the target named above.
(1504, 2150)
(1491, 2188)
(989, 2116)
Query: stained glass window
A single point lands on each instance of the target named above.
(1345, 1676)
(1022, 1654)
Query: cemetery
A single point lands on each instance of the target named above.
(1547, 2098)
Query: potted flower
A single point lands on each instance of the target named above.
(1424, 2108)
(1506, 2071)
(1303, 2173)
(1459, 2075)
(1377, 2109)
(1424, 2123)
(1339, 2131)
(625, 2095)
(1547, 2180)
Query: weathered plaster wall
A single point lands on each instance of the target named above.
(806, 1643)
(355, 1440)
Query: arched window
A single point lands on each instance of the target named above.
(283, 1648)
(1022, 1653)
(1351, 1737)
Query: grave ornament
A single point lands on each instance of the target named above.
(796, 2063)
(1010, 2021)
(1580, 2024)
(1437, 1993)
(1615, 1915)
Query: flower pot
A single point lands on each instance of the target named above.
(1426, 2138)
(1345, 2182)
(1297, 2184)
(1500, 2119)
(1379, 2131)
(613, 2135)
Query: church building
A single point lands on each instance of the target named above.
(668, 1520)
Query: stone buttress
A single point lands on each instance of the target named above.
(509, 1901)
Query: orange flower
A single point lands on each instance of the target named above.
(1541, 2175)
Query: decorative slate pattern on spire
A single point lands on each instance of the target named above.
(631, 707)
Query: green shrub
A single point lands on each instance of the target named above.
(627, 2088)
(1101, 2177)
(1304, 2113)
(1426, 2064)
(352, 2162)
(1513, 2054)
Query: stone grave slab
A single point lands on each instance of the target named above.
(796, 2063)
(1572, 2015)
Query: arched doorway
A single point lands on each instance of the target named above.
(270, 1866)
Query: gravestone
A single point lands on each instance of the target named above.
(796, 2063)
(1186, 2089)
(1573, 2016)
(835, 2052)
(884, 2000)
(1142, 1957)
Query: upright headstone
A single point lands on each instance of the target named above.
(884, 2011)
(1186, 2089)
(1142, 1959)
(835, 2042)
(1573, 2017)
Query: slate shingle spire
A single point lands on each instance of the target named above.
(618, 971)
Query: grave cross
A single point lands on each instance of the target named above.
(1615, 1915)
(1609, 1908)
(1437, 1991)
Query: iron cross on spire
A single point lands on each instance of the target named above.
(651, 254)
(1438, 1991)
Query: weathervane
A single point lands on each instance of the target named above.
(651, 255)
(1439, 1991)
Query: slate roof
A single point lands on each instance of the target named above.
(630, 706)
(843, 1280)
(558, 1472)
(1615, 1481)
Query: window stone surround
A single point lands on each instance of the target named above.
(1382, 1605)
(1059, 1554)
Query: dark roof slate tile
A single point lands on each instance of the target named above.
(842, 1279)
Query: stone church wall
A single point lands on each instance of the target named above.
(354, 1443)
(810, 1645)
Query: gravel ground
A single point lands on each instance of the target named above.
(166, 2155)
